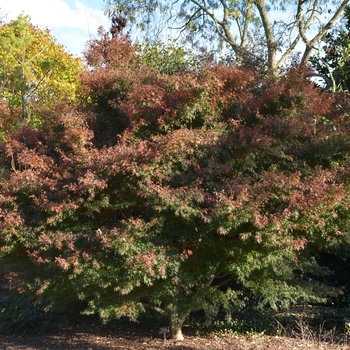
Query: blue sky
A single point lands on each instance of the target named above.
(72, 22)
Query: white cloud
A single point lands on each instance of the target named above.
(72, 23)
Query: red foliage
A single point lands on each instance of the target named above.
(202, 174)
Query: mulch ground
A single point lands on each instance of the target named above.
(126, 340)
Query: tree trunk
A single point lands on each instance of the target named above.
(176, 321)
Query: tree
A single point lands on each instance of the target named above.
(219, 180)
(251, 29)
(332, 63)
(34, 69)
(169, 58)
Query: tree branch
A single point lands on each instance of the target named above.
(244, 35)
(228, 279)
(228, 37)
(155, 308)
(269, 35)
(311, 43)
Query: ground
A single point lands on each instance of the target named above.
(151, 340)
(79, 340)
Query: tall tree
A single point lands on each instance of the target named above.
(253, 30)
(34, 69)
(217, 180)
(332, 61)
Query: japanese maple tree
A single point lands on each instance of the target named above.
(207, 181)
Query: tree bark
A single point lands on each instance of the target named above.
(176, 321)
(269, 36)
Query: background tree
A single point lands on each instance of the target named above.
(217, 181)
(333, 62)
(34, 69)
(249, 28)
(169, 58)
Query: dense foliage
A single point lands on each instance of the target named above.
(35, 71)
(334, 65)
(176, 192)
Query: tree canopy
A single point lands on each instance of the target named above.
(256, 31)
(332, 60)
(207, 182)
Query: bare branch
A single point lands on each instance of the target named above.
(227, 280)
(238, 24)
(269, 35)
(244, 35)
(155, 308)
(288, 52)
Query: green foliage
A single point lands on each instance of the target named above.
(168, 58)
(334, 64)
(252, 327)
(17, 313)
(35, 72)
(209, 184)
